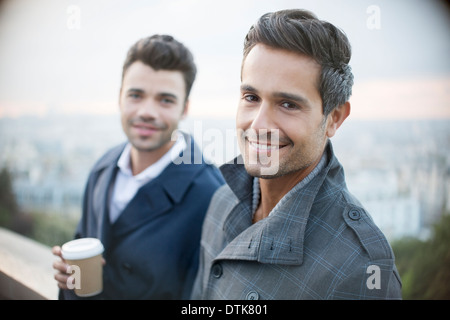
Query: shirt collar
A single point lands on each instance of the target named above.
(124, 162)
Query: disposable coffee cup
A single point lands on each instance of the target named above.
(85, 258)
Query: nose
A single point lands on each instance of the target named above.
(264, 118)
(148, 110)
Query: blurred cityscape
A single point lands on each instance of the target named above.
(399, 170)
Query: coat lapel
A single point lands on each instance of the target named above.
(106, 171)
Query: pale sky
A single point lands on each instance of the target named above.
(66, 56)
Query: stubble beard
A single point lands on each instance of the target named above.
(299, 157)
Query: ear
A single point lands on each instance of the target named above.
(336, 118)
(185, 110)
(119, 100)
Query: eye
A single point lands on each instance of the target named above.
(167, 101)
(289, 106)
(134, 95)
(251, 98)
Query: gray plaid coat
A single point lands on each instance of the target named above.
(318, 243)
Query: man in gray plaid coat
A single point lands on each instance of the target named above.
(285, 226)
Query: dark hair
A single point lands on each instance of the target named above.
(301, 31)
(163, 52)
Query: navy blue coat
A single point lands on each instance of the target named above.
(152, 249)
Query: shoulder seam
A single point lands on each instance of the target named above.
(370, 236)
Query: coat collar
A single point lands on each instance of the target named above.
(178, 175)
(280, 237)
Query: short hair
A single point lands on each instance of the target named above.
(163, 52)
(302, 32)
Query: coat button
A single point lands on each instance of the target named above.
(127, 267)
(252, 295)
(217, 270)
(354, 214)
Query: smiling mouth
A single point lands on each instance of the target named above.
(145, 127)
(145, 130)
(266, 146)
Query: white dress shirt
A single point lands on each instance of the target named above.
(126, 185)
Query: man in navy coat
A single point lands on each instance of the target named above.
(146, 199)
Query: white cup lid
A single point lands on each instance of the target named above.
(81, 248)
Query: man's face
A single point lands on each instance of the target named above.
(151, 104)
(280, 115)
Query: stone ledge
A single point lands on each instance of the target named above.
(26, 271)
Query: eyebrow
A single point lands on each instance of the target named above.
(161, 94)
(284, 95)
(246, 87)
(135, 90)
